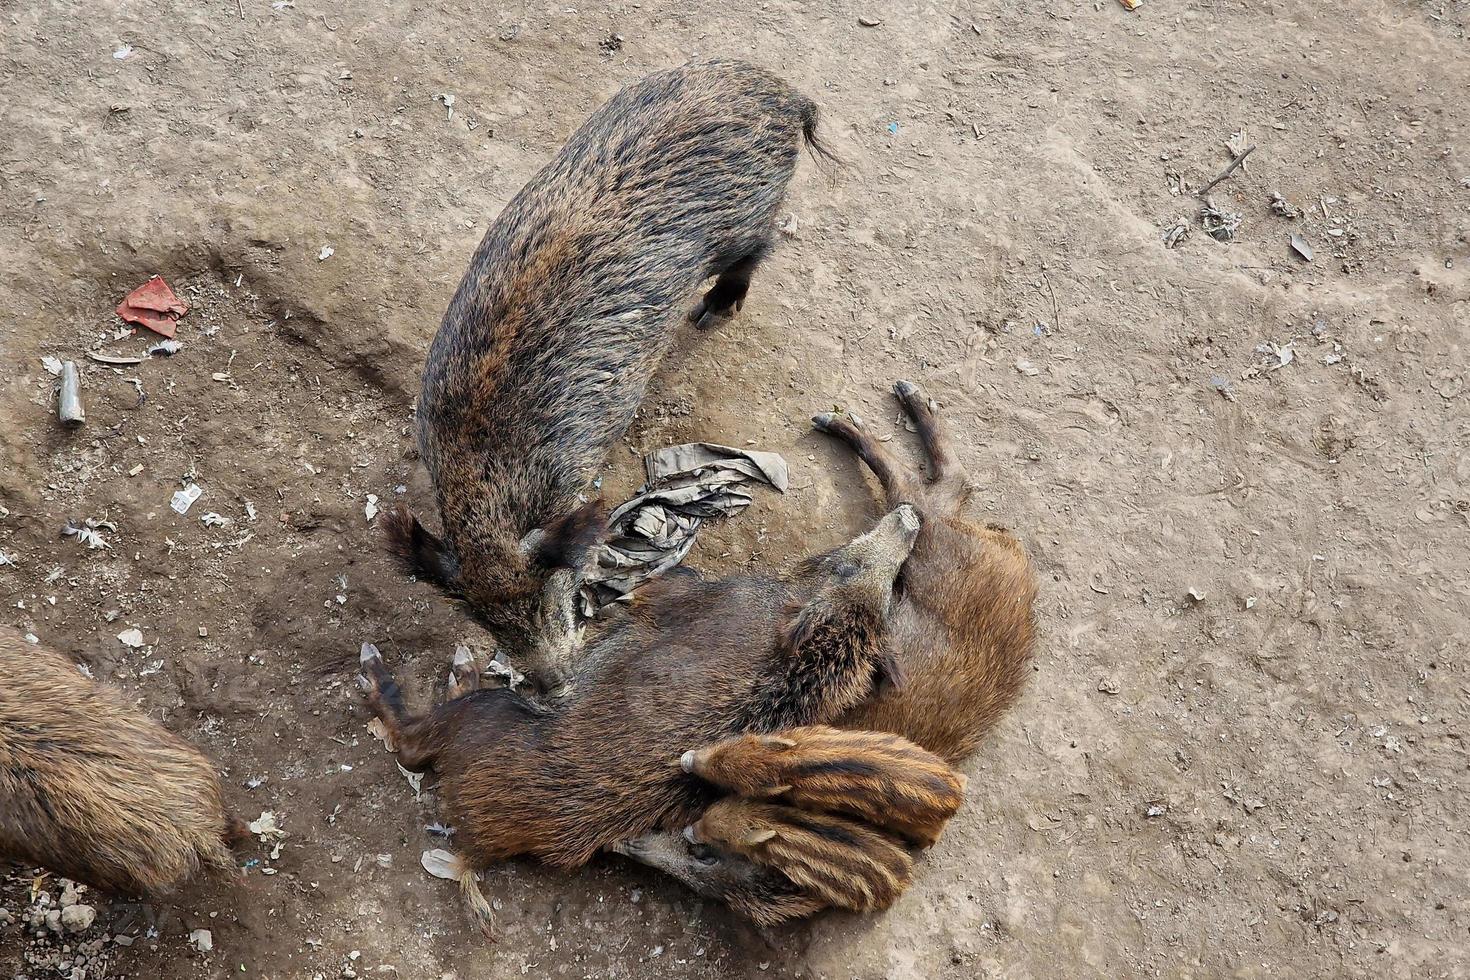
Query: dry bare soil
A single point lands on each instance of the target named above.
(1267, 781)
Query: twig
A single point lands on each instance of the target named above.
(240, 5)
(1239, 159)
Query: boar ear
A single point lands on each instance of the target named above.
(419, 552)
(776, 742)
(758, 837)
(565, 541)
(888, 673)
(773, 791)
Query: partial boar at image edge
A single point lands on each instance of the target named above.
(143, 810)
(567, 307)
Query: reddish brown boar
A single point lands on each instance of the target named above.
(694, 662)
(95, 790)
(879, 778)
(567, 307)
(962, 631)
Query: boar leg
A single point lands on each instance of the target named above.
(727, 295)
(936, 445)
(412, 737)
(464, 674)
(897, 479)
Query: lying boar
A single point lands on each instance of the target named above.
(879, 778)
(568, 305)
(845, 863)
(95, 790)
(962, 632)
(694, 662)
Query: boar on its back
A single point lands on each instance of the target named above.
(566, 309)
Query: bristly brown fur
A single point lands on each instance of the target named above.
(844, 863)
(876, 777)
(699, 662)
(95, 790)
(962, 631)
(566, 309)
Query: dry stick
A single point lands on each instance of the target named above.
(1226, 172)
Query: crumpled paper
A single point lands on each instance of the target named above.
(651, 533)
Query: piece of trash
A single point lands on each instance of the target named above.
(381, 733)
(439, 830)
(788, 225)
(1131, 4)
(136, 470)
(893, 127)
(1301, 246)
(52, 366)
(371, 510)
(415, 781)
(1027, 368)
(87, 532)
(153, 305)
(1196, 595)
(869, 21)
(1219, 225)
(1282, 356)
(202, 939)
(443, 864)
(448, 101)
(651, 533)
(123, 52)
(1250, 602)
(326, 253)
(1222, 386)
(184, 499)
(131, 638)
(164, 348)
(216, 520)
(113, 360)
(69, 406)
(1175, 234)
(8, 560)
(1281, 207)
(1156, 810)
(268, 829)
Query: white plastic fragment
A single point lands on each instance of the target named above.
(184, 499)
(326, 253)
(371, 510)
(202, 939)
(123, 52)
(52, 366)
(131, 638)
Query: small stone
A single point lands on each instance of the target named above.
(78, 918)
(869, 21)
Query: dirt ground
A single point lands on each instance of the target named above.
(1266, 781)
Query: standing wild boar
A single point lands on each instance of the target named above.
(962, 632)
(566, 309)
(95, 790)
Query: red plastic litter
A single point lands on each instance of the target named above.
(154, 306)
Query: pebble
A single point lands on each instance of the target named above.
(77, 918)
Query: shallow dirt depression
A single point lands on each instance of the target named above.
(1265, 781)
